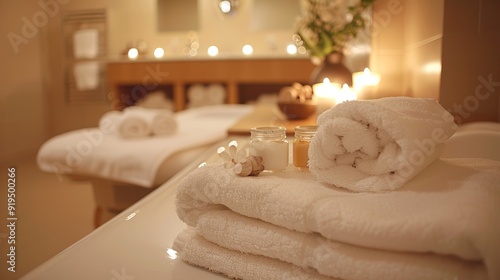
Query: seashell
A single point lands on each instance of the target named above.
(250, 166)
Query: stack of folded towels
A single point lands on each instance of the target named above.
(378, 204)
(138, 122)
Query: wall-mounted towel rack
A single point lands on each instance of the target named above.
(85, 50)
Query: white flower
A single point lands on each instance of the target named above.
(232, 156)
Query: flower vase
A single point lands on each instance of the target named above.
(334, 69)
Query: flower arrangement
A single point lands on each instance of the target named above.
(328, 25)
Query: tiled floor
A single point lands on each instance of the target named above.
(52, 213)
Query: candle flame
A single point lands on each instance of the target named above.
(326, 81)
(367, 71)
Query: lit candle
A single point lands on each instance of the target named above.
(324, 94)
(366, 83)
(345, 94)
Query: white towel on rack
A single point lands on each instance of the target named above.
(378, 145)
(86, 43)
(86, 75)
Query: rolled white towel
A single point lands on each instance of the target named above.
(124, 125)
(378, 145)
(160, 121)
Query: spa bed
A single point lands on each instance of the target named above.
(122, 171)
(135, 243)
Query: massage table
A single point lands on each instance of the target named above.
(122, 171)
(135, 244)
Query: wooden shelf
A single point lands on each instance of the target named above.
(268, 115)
(244, 79)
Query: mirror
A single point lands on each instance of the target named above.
(168, 12)
(274, 14)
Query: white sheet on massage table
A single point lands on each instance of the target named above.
(136, 161)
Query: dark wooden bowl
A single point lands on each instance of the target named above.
(297, 111)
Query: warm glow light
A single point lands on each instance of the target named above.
(159, 53)
(132, 215)
(369, 79)
(302, 50)
(213, 51)
(291, 49)
(366, 84)
(133, 53)
(247, 50)
(432, 67)
(345, 94)
(171, 253)
(225, 6)
(193, 52)
(324, 94)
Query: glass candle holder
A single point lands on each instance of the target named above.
(270, 143)
(303, 136)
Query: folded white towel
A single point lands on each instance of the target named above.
(443, 224)
(378, 145)
(86, 43)
(196, 250)
(86, 75)
(124, 125)
(160, 121)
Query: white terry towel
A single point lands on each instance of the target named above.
(86, 75)
(161, 121)
(443, 224)
(86, 43)
(124, 125)
(378, 145)
(198, 251)
(136, 122)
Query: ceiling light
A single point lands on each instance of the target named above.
(159, 52)
(228, 6)
(133, 53)
(247, 50)
(291, 49)
(213, 51)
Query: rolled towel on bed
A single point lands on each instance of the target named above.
(161, 121)
(136, 122)
(378, 145)
(124, 125)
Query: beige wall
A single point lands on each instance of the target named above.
(23, 118)
(387, 54)
(471, 56)
(422, 47)
(447, 50)
(406, 46)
